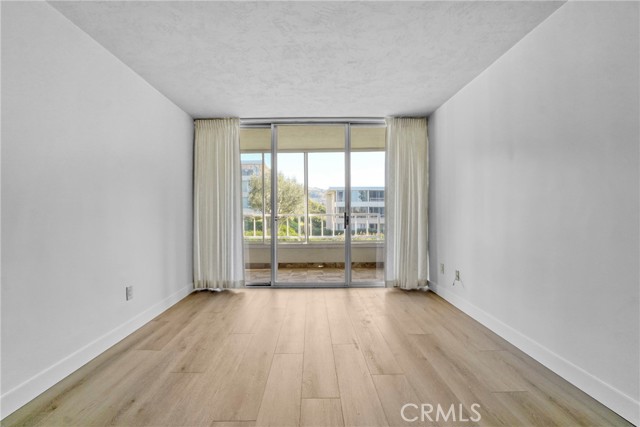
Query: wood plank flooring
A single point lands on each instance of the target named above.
(313, 357)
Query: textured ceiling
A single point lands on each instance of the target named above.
(307, 59)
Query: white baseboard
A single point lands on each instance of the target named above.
(28, 390)
(608, 395)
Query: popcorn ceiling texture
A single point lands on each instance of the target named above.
(307, 59)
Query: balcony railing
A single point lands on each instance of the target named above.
(365, 227)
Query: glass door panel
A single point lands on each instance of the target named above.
(326, 249)
(310, 248)
(367, 205)
(255, 159)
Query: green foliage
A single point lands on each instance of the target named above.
(316, 208)
(282, 230)
(290, 194)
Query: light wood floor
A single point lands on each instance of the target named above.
(311, 357)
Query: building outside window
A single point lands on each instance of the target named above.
(367, 205)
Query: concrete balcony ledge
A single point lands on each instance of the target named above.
(323, 245)
(293, 253)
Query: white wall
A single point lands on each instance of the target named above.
(535, 198)
(96, 194)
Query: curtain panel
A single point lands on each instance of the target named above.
(217, 197)
(407, 169)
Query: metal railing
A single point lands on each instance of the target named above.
(320, 228)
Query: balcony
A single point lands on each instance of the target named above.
(323, 228)
(315, 253)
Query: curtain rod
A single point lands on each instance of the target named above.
(306, 120)
(267, 122)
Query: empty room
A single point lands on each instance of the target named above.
(453, 188)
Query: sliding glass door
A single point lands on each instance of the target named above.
(329, 209)
(310, 161)
(256, 167)
(367, 204)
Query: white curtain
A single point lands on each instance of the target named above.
(217, 235)
(407, 260)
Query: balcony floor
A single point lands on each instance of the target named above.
(314, 275)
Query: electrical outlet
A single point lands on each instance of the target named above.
(129, 292)
(441, 268)
(457, 275)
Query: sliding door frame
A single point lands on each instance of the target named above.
(274, 198)
(347, 123)
(347, 204)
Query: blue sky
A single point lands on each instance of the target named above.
(327, 169)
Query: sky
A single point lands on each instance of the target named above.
(327, 169)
